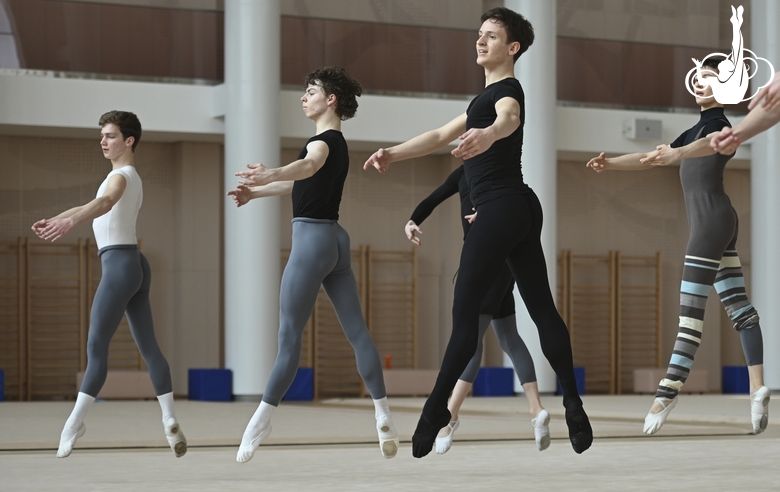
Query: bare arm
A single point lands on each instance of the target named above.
(627, 162)
(259, 175)
(243, 194)
(420, 145)
(664, 155)
(56, 227)
(758, 120)
(477, 140)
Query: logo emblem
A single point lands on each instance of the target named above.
(730, 82)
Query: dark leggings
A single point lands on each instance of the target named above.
(123, 289)
(499, 305)
(508, 229)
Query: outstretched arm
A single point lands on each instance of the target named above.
(627, 162)
(477, 140)
(418, 146)
(56, 227)
(259, 175)
(663, 155)
(243, 194)
(758, 120)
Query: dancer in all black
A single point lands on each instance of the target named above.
(498, 306)
(508, 228)
(710, 258)
(124, 284)
(320, 254)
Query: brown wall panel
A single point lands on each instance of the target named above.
(647, 74)
(588, 70)
(451, 66)
(303, 48)
(159, 42)
(382, 57)
(117, 39)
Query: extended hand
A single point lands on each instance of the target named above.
(241, 195)
(411, 228)
(473, 143)
(598, 163)
(379, 160)
(663, 155)
(52, 230)
(258, 175)
(725, 142)
(770, 94)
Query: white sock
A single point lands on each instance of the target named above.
(258, 422)
(166, 405)
(381, 407)
(80, 409)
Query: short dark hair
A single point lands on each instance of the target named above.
(336, 81)
(712, 61)
(516, 26)
(128, 124)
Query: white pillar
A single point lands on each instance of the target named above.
(536, 71)
(765, 199)
(251, 235)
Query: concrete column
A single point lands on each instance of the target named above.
(765, 199)
(251, 236)
(536, 71)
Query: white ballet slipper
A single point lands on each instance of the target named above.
(175, 437)
(759, 409)
(246, 451)
(542, 430)
(388, 437)
(654, 421)
(443, 444)
(66, 444)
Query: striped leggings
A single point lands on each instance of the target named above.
(700, 273)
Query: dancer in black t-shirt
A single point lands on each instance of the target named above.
(498, 307)
(508, 226)
(320, 254)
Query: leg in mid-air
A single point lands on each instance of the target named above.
(342, 290)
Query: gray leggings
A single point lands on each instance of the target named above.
(123, 289)
(511, 344)
(499, 305)
(320, 256)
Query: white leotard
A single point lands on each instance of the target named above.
(118, 225)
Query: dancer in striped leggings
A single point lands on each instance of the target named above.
(710, 258)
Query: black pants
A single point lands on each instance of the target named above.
(507, 229)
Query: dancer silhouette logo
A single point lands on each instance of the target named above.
(730, 83)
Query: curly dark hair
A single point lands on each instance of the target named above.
(517, 27)
(127, 122)
(336, 81)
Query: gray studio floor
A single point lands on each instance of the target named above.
(705, 445)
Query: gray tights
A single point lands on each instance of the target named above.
(510, 342)
(320, 256)
(123, 289)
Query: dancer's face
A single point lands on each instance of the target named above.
(315, 102)
(112, 143)
(492, 45)
(703, 89)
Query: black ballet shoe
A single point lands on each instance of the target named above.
(580, 432)
(426, 432)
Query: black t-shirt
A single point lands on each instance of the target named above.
(711, 120)
(497, 171)
(319, 196)
(455, 183)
